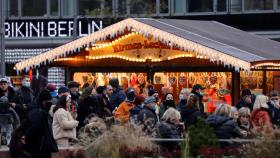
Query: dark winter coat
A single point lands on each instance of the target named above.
(105, 105)
(24, 100)
(241, 104)
(39, 136)
(87, 106)
(200, 97)
(148, 118)
(275, 114)
(189, 115)
(224, 127)
(181, 104)
(168, 130)
(117, 98)
(11, 94)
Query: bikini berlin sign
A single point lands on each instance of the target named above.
(43, 28)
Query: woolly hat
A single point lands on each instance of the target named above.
(130, 94)
(62, 89)
(149, 100)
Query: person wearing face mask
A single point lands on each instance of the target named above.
(183, 98)
(74, 92)
(198, 91)
(24, 98)
(168, 101)
(38, 137)
(274, 107)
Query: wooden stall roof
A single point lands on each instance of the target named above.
(207, 38)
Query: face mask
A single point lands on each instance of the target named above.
(170, 103)
(26, 84)
(201, 93)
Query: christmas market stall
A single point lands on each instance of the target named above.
(171, 55)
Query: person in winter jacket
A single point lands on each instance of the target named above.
(168, 128)
(38, 137)
(75, 95)
(261, 117)
(244, 121)
(223, 125)
(118, 95)
(183, 98)
(147, 116)
(190, 112)
(88, 104)
(198, 90)
(122, 113)
(64, 126)
(168, 101)
(9, 119)
(246, 100)
(8, 91)
(104, 101)
(24, 98)
(274, 107)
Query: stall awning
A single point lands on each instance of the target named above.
(211, 39)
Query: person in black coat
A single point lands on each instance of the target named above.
(190, 112)
(24, 99)
(168, 128)
(38, 137)
(198, 91)
(118, 95)
(223, 125)
(183, 99)
(88, 104)
(6, 90)
(147, 116)
(103, 100)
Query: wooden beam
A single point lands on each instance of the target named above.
(235, 80)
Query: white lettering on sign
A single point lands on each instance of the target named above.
(49, 28)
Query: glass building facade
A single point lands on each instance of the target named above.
(139, 8)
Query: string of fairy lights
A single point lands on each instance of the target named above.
(136, 27)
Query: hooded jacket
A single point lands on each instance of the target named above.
(224, 127)
(117, 97)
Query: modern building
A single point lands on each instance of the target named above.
(35, 26)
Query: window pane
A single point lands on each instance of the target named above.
(255, 5)
(143, 6)
(13, 9)
(90, 7)
(278, 2)
(34, 7)
(163, 6)
(178, 7)
(121, 7)
(200, 5)
(107, 11)
(236, 5)
(54, 7)
(68, 7)
(221, 5)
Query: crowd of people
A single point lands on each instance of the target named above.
(55, 116)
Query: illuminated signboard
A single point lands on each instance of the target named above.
(50, 28)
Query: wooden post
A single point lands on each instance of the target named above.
(264, 87)
(235, 81)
